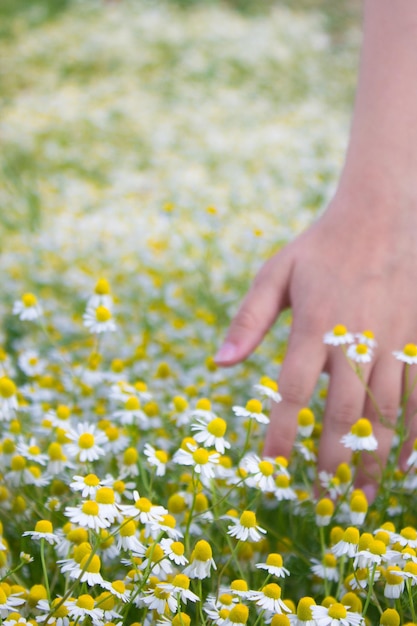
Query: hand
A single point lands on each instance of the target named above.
(356, 266)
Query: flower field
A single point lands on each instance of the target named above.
(152, 158)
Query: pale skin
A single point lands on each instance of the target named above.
(357, 265)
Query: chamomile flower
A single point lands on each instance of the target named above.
(253, 410)
(30, 363)
(246, 528)
(57, 609)
(27, 308)
(304, 615)
(88, 570)
(132, 413)
(305, 419)
(336, 615)
(238, 615)
(359, 353)
(8, 398)
(211, 433)
(143, 510)
(260, 472)
(160, 600)
(324, 511)
(102, 295)
(156, 458)
(87, 443)
(408, 354)
(156, 562)
(179, 588)
(87, 485)
(268, 388)
(367, 337)
(9, 603)
(174, 550)
(31, 451)
(360, 436)
(43, 530)
(348, 544)
(283, 489)
(201, 561)
(327, 568)
(274, 566)
(339, 336)
(127, 538)
(99, 320)
(87, 515)
(406, 537)
(118, 589)
(394, 582)
(269, 599)
(203, 461)
(84, 607)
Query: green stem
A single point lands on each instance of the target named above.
(370, 589)
(44, 570)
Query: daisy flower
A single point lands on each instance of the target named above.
(305, 419)
(268, 388)
(211, 434)
(87, 515)
(246, 528)
(84, 607)
(408, 354)
(324, 511)
(367, 337)
(174, 550)
(180, 589)
(360, 436)
(238, 615)
(326, 569)
(99, 320)
(43, 530)
(87, 485)
(155, 559)
(143, 510)
(304, 615)
(202, 460)
(57, 609)
(394, 582)
(348, 544)
(8, 398)
(156, 458)
(27, 308)
(9, 603)
(102, 295)
(127, 538)
(132, 413)
(88, 442)
(30, 363)
(201, 561)
(336, 615)
(274, 566)
(261, 472)
(88, 570)
(31, 451)
(269, 598)
(338, 336)
(282, 489)
(359, 353)
(253, 410)
(118, 589)
(406, 537)
(160, 600)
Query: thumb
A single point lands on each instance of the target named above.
(266, 298)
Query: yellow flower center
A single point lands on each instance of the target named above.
(155, 553)
(181, 580)
(144, 505)
(272, 591)
(248, 519)
(18, 463)
(266, 468)
(410, 349)
(128, 529)
(411, 568)
(390, 617)
(180, 403)
(337, 611)
(329, 560)
(63, 412)
(130, 456)
(203, 551)
(280, 619)
(86, 441)
(304, 609)
(34, 450)
(339, 330)
(305, 417)
(103, 314)
(239, 614)
(226, 598)
(391, 575)
(93, 566)
(162, 456)
(265, 381)
(60, 611)
(362, 348)
(132, 404)
(181, 619)
(201, 456)
(44, 526)
(239, 585)
(203, 404)
(217, 427)
(90, 508)
(344, 473)
(351, 535)
(7, 387)
(177, 548)
(363, 427)
(274, 559)
(55, 452)
(359, 504)
(282, 481)
(85, 601)
(105, 495)
(409, 533)
(91, 480)
(29, 300)
(324, 507)
(102, 287)
(254, 406)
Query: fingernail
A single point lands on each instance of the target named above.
(370, 492)
(226, 353)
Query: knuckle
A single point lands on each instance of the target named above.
(389, 411)
(293, 392)
(245, 320)
(343, 416)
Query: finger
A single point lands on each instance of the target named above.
(303, 364)
(344, 405)
(258, 311)
(410, 416)
(385, 385)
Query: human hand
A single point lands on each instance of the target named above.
(356, 266)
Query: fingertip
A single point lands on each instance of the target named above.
(227, 354)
